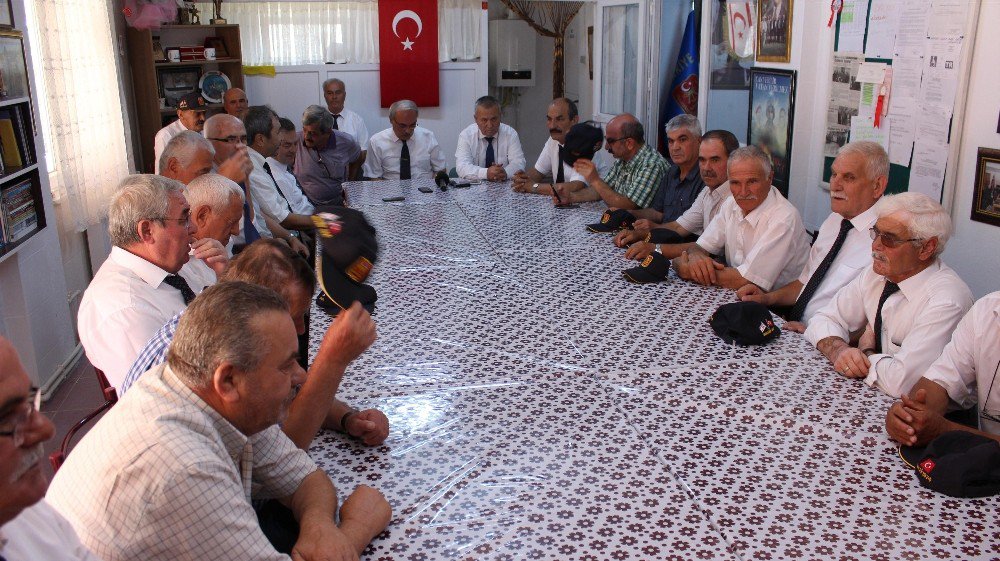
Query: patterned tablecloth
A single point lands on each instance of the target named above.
(542, 407)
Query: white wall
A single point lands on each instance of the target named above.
(295, 87)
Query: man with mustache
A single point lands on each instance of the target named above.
(760, 232)
(842, 249)
(190, 117)
(170, 471)
(29, 527)
(560, 117)
(908, 303)
(648, 236)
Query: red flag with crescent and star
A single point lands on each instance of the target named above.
(408, 52)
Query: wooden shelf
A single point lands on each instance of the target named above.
(196, 62)
(172, 110)
(13, 175)
(14, 101)
(200, 26)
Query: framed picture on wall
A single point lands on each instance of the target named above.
(6, 14)
(986, 195)
(772, 106)
(13, 69)
(732, 47)
(774, 32)
(175, 82)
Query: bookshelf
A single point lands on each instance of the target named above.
(22, 213)
(153, 75)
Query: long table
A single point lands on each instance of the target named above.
(542, 407)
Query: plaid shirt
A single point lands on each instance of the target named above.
(153, 354)
(639, 177)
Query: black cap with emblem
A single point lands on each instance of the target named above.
(349, 251)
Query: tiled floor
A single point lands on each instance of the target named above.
(78, 395)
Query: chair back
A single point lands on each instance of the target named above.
(110, 398)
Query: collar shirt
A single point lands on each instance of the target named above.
(917, 322)
(163, 137)
(153, 354)
(548, 163)
(704, 208)
(351, 123)
(123, 307)
(968, 367)
(639, 177)
(289, 189)
(163, 476)
(470, 157)
(768, 246)
(39, 532)
(265, 194)
(426, 156)
(854, 257)
(676, 194)
(321, 172)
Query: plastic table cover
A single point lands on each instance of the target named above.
(542, 407)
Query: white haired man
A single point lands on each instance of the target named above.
(345, 120)
(404, 150)
(908, 303)
(488, 149)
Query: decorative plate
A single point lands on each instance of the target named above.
(213, 86)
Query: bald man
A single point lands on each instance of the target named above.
(235, 103)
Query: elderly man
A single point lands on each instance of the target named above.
(271, 264)
(187, 156)
(29, 527)
(345, 120)
(560, 117)
(170, 470)
(907, 303)
(488, 149)
(282, 164)
(190, 117)
(234, 102)
(404, 150)
(960, 378)
(648, 235)
(325, 158)
(262, 128)
(759, 230)
(634, 177)
(842, 248)
(146, 279)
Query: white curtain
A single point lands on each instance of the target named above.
(79, 103)
(304, 32)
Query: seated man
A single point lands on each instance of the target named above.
(190, 117)
(960, 378)
(186, 156)
(170, 471)
(262, 128)
(682, 182)
(234, 102)
(842, 249)
(29, 527)
(146, 279)
(488, 149)
(216, 210)
(404, 150)
(647, 236)
(561, 116)
(325, 158)
(282, 164)
(634, 177)
(760, 232)
(271, 264)
(909, 300)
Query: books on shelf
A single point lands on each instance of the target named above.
(17, 212)
(16, 144)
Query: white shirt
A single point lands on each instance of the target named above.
(39, 532)
(350, 122)
(470, 157)
(124, 306)
(854, 256)
(426, 156)
(290, 188)
(704, 208)
(917, 322)
(265, 195)
(548, 163)
(162, 138)
(768, 246)
(967, 369)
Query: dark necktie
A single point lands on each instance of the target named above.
(560, 176)
(335, 126)
(267, 168)
(890, 289)
(490, 156)
(820, 273)
(250, 233)
(404, 162)
(179, 283)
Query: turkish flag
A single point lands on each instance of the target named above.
(408, 51)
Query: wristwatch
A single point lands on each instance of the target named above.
(659, 249)
(534, 188)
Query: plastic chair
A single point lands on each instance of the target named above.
(110, 398)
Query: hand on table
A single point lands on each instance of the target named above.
(322, 540)
(496, 173)
(751, 293)
(212, 252)
(364, 514)
(625, 238)
(794, 326)
(910, 423)
(522, 183)
(640, 250)
(698, 267)
(851, 362)
(565, 195)
(644, 225)
(371, 426)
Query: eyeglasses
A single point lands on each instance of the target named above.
(889, 240)
(242, 139)
(184, 219)
(16, 426)
(611, 141)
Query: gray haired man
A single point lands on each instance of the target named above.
(325, 158)
(404, 150)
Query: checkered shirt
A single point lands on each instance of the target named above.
(639, 177)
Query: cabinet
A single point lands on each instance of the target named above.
(152, 79)
(22, 213)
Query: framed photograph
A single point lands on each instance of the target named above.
(175, 82)
(6, 15)
(13, 68)
(986, 197)
(732, 49)
(772, 106)
(774, 34)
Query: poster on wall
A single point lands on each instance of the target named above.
(774, 34)
(986, 197)
(772, 106)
